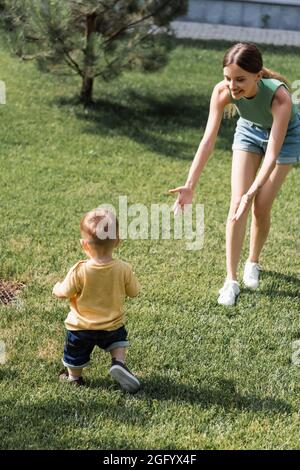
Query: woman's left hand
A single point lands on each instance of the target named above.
(244, 205)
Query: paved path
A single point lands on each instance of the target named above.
(278, 37)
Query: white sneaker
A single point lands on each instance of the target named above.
(251, 275)
(229, 293)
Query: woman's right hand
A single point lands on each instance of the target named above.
(185, 197)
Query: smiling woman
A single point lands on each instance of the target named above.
(269, 127)
(239, 78)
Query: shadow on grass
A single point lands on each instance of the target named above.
(153, 121)
(46, 422)
(7, 374)
(160, 388)
(275, 275)
(282, 285)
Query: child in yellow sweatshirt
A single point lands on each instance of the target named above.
(97, 288)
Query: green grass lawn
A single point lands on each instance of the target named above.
(212, 378)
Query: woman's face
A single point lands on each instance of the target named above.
(240, 82)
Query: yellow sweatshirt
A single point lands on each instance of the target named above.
(97, 294)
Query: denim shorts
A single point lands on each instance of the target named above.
(254, 139)
(80, 344)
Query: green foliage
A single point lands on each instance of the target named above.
(92, 38)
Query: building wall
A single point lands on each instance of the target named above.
(274, 14)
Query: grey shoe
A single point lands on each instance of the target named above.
(124, 377)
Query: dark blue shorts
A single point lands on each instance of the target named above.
(80, 344)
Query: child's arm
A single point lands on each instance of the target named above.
(58, 291)
(132, 285)
(70, 286)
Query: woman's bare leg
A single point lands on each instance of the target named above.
(244, 169)
(261, 210)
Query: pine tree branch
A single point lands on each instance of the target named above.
(38, 55)
(107, 8)
(72, 64)
(130, 25)
(110, 64)
(110, 6)
(69, 59)
(33, 38)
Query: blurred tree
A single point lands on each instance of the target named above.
(91, 38)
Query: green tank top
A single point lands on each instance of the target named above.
(258, 108)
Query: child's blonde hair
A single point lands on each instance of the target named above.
(100, 227)
(247, 56)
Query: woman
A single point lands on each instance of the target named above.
(269, 127)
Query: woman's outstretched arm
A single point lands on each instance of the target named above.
(219, 99)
